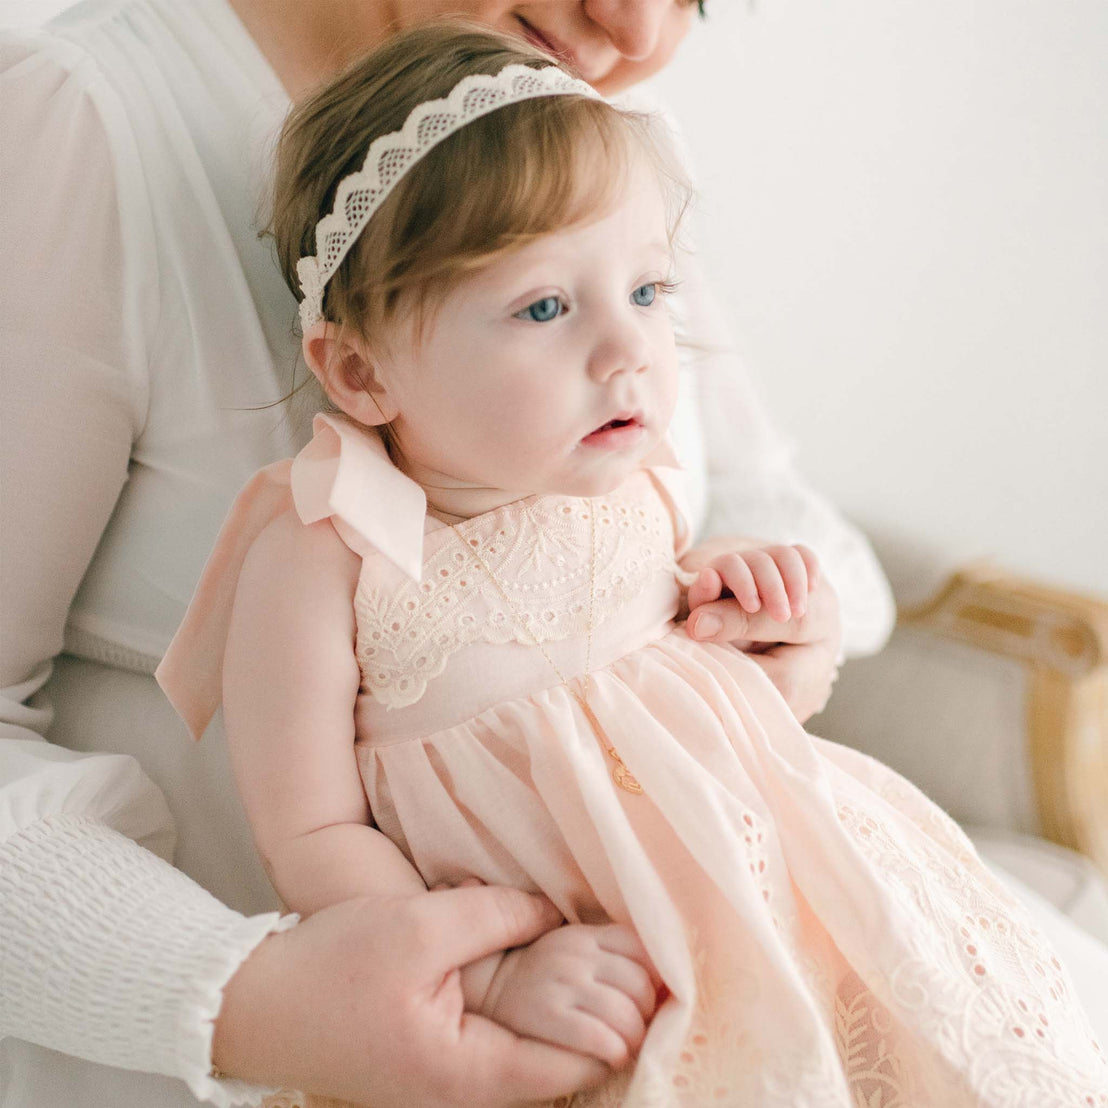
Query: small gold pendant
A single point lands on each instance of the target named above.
(623, 776)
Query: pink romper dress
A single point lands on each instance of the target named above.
(827, 935)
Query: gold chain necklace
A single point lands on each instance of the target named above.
(620, 773)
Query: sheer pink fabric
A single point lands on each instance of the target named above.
(828, 936)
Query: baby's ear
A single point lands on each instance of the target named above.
(345, 368)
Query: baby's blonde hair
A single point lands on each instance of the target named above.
(501, 181)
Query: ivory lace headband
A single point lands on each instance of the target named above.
(390, 156)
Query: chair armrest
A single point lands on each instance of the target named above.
(993, 696)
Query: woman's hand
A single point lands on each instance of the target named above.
(800, 654)
(363, 1001)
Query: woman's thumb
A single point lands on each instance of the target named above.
(484, 919)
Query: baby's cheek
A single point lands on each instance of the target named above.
(668, 387)
(521, 399)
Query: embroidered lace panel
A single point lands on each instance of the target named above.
(538, 553)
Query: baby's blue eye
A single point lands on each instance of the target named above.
(542, 311)
(644, 295)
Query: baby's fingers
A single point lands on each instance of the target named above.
(811, 564)
(619, 939)
(738, 577)
(796, 566)
(707, 587)
(632, 980)
(769, 582)
(621, 1015)
(612, 1038)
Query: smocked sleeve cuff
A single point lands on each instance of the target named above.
(115, 956)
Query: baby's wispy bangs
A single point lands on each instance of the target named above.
(498, 183)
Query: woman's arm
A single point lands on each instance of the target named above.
(77, 893)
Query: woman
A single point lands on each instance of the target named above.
(146, 334)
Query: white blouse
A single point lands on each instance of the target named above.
(145, 338)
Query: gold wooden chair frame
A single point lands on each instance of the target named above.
(1061, 638)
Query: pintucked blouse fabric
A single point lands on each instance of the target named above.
(144, 332)
(828, 936)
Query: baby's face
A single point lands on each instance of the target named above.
(552, 370)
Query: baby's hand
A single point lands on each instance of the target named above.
(774, 578)
(591, 989)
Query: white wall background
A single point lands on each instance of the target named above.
(908, 213)
(906, 209)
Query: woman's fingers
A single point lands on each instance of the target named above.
(803, 674)
(496, 918)
(726, 622)
(800, 655)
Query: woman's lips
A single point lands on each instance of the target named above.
(545, 42)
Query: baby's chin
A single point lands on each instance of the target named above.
(593, 485)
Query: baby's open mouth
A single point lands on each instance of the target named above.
(616, 432)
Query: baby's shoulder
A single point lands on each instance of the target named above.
(307, 556)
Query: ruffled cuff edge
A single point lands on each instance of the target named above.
(196, 1042)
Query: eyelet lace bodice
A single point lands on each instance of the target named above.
(538, 553)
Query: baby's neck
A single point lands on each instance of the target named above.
(452, 499)
(457, 504)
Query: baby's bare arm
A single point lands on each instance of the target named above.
(364, 999)
(290, 685)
